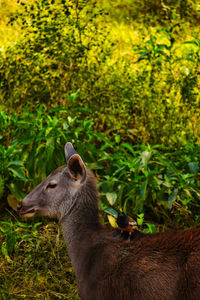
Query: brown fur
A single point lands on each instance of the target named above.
(150, 267)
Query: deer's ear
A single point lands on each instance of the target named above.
(69, 150)
(77, 168)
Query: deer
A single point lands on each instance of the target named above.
(161, 266)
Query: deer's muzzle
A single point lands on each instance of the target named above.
(26, 211)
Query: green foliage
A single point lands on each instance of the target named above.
(171, 98)
(146, 92)
(12, 170)
(36, 145)
(145, 227)
(152, 12)
(134, 179)
(150, 179)
(52, 55)
(14, 234)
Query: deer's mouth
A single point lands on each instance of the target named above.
(26, 211)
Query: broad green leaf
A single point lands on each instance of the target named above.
(15, 163)
(17, 171)
(111, 211)
(111, 197)
(151, 228)
(172, 198)
(140, 219)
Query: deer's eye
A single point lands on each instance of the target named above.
(51, 185)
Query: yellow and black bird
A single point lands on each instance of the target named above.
(126, 224)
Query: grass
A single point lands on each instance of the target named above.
(39, 268)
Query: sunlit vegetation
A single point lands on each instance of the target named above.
(121, 80)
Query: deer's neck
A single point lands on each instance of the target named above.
(82, 223)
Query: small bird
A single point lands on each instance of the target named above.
(126, 224)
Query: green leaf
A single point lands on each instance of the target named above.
(1, 186)
(145, 156)
(151, 227)
(9, 224)
(111, 211)
(17, 171)
(4, 230)
(140, 219)
(4, 251)
(117, 138)
(143, 190)
(36, 225)
(111, 197)
(172, 198)
(15, 163)
(193, 166)
(22, 225)
(94, 166)
(73, 96)
(129, 147)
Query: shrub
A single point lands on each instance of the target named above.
(52, 55)
(153, 12)
(135, 179)
(147, 92)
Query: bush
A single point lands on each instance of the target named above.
(149, 94)
(153, 12)
(51, 58)
(168, 88)
(164, 185)
(135, 179)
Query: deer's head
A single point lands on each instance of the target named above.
(55, 195)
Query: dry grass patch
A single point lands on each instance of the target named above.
(39, 267)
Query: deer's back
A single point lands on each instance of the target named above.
(150, 267)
